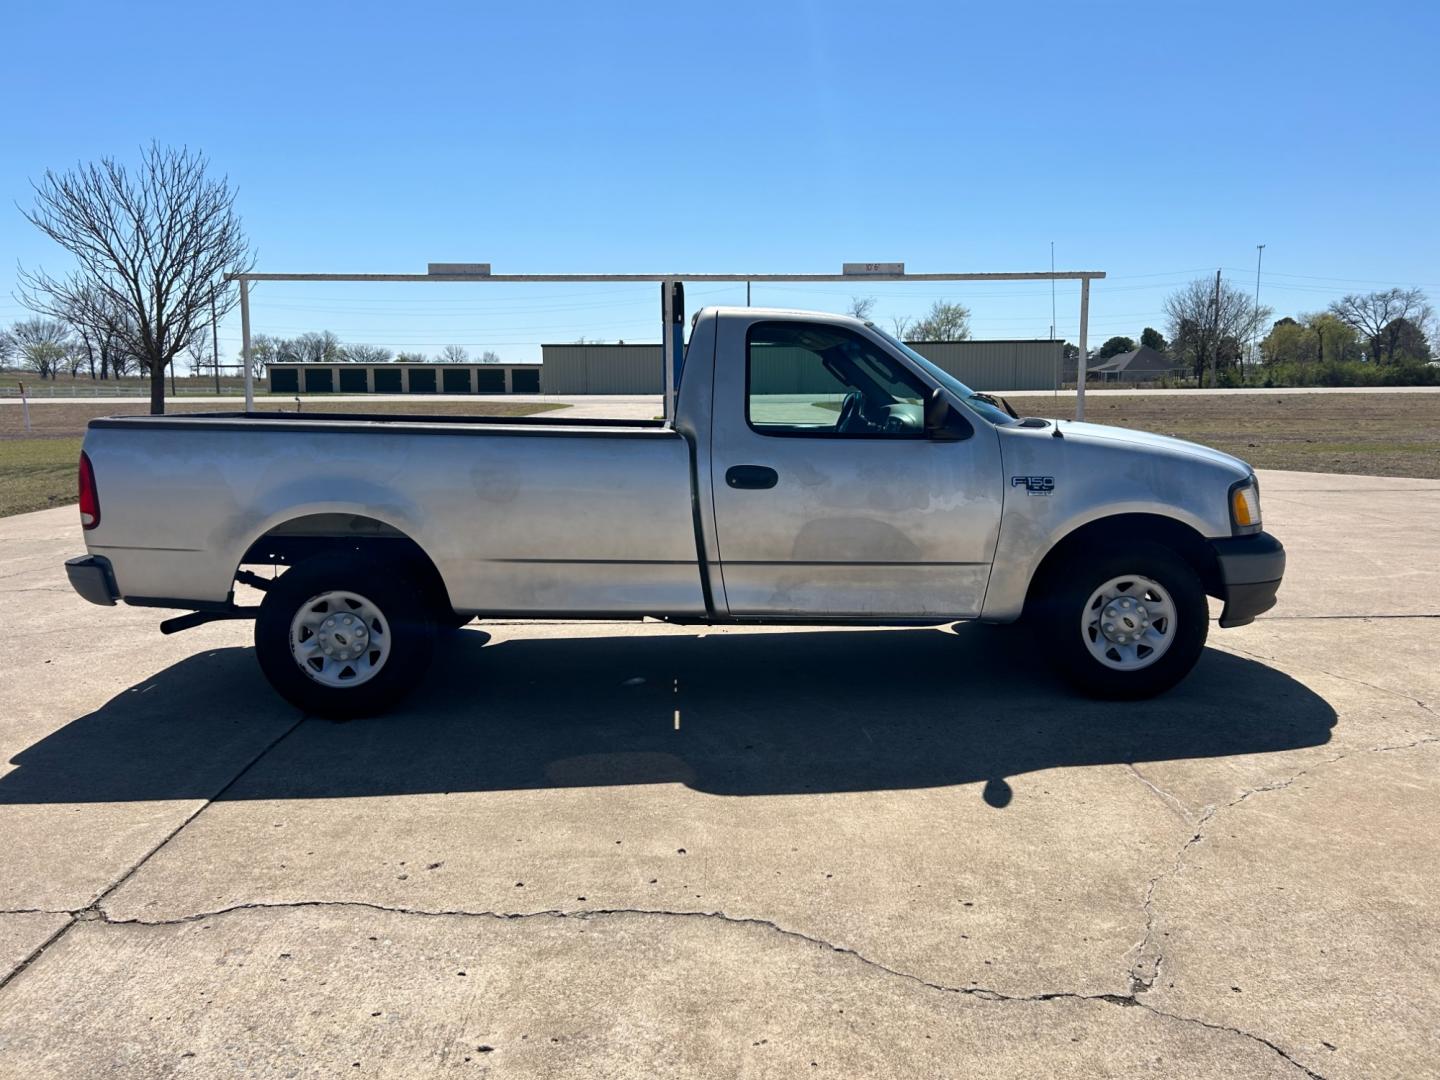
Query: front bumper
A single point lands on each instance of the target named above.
(1250, 571)
(92, 578)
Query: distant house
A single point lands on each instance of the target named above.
(1139, 365)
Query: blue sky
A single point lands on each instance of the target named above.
(1154, 141)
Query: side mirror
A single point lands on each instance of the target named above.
(944, 422)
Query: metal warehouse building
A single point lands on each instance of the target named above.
(392, 378)
(635, 369)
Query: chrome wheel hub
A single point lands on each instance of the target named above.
(340, 638)
(1129, 622)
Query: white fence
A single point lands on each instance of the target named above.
(88, 389)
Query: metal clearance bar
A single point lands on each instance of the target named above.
(672, 301)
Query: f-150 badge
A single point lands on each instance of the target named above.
(1034, 485)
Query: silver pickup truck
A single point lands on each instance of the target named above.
(817, 470)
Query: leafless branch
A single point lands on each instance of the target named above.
(151, 249)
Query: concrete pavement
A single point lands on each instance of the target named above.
(634, 849)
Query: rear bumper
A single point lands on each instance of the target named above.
(1250, 571)
(91, 577)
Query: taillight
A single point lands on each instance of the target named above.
(89, 497)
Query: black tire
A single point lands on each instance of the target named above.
(1069, 587)
(407, 618)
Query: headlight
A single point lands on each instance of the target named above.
(1245, 506)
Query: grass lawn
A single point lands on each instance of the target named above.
(37, 473)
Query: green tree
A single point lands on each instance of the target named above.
(1334, 340)
(1153, 339)
(1288, 343)
(1406, 341)
(1116, 345)
(42, 345)
(943, 322)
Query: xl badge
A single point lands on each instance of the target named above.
(1034, 485)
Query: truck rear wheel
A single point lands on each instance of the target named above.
(344, 636)
(1126, 625)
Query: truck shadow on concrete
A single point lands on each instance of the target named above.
(758, 713)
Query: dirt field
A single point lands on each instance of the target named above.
(1367, 434)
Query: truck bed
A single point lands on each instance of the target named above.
(594, 519)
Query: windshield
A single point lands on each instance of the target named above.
(993, 413)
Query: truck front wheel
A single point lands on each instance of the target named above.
(1125, 625)
(344, 636)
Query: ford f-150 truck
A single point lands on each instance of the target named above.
(817, 470)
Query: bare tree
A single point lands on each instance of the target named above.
(454, 354)
(861, 306)
(74, 358)
(366, 354)
(901, 325)
(1381, 317)
(316, 347)
(1207, 324)
(200, 354)
(490, 356)
(41, 345)
(943, 322)
(7, 348)
(99, 325)
(264, 351)
(154, 244)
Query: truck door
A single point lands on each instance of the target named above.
(829, 498)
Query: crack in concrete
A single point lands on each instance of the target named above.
(1145, 970)
(1336, 675)
(1140, 979)
(93, 910)
(1171, 801)
(983, 993)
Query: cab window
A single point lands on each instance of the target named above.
(809, 379)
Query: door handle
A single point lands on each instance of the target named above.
(755, 477)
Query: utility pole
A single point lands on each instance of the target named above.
(1259, 254)
(215, 343)
(747, 294)
(1215, 331)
